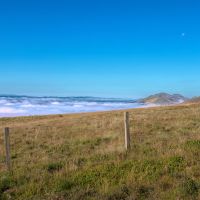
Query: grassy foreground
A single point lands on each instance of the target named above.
(82, 156)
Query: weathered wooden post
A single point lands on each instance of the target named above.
(7, 147)
(127, 131)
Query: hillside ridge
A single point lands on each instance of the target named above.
(164, 99)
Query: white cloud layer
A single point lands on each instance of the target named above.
(9, 110)
(25, 106)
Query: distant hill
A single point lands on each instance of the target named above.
(164, 99)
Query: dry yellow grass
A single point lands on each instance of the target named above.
(82, 156)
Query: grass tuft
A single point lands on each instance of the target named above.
(189, 188)
(175, 165)
(192, 145)
(52, 167)
(63, 185)
(5, 183)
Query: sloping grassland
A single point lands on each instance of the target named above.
(82, 156)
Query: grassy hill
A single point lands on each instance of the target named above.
(164, 99)
(82, 156)
(193, 100)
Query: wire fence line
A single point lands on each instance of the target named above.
(59, 139)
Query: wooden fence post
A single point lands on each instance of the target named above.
(7, 146)
(127, 131)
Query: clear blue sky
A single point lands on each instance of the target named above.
(100, 47)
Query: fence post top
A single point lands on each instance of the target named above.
(126, 113)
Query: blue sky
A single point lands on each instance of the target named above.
(104, 48)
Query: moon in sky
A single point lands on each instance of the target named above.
(183, 34)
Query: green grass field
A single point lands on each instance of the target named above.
(82, 156)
